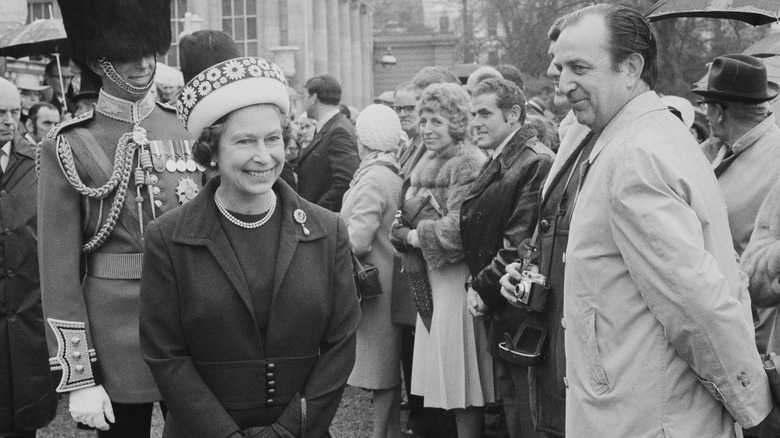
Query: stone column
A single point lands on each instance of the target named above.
(367, 39)
(334, 39)
(357, 54)
(271, 28)
(320, 37)
(346, 52)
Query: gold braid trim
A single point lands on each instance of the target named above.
(123, 160)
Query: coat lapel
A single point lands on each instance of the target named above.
(18, 163)
(317, 139)
(293, 224)
(200, 226)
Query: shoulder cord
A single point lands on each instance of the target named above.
(120, 177)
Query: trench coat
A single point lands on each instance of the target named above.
(659, 336)
(369, 210)
(198, 330)
(27, 397)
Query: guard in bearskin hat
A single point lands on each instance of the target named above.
(103, 176)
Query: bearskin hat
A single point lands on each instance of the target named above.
(204, 48)
(119, 30)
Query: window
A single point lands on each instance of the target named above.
(37, 9)
(178, 9)
(239, 20)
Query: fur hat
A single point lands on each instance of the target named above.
(378, 128)
(119, 30)
(228, 86)
(202, 49)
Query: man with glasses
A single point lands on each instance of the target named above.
(404, 105)
(744, 149)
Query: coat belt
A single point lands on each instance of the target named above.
(115, 266)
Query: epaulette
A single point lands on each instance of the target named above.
(166, 106)
(78, 120)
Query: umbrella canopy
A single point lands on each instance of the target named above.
(41, 37)
(755, 12)
(765, 46)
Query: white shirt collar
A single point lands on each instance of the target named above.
(326, 118)
(7, 149)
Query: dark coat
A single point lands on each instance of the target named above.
(326, 167)
(500, 212)
(198, 329)
(27, 398)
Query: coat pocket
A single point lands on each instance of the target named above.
(598, 376)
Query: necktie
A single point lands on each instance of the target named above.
(729, 153)
(3, 162)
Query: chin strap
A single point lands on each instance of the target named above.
(112, 74)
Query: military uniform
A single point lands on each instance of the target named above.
(90, 279)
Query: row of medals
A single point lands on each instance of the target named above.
(177, 165)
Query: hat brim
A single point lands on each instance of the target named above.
(772, 90)
(34, 88)
(237, 95)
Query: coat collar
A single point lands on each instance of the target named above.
(319, 134)
(198, 225)
(505, 159)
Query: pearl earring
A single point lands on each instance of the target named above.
(213, 163)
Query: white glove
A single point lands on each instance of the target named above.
(92, 407)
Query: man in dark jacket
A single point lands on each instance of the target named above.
(499, 213)
(27, 398)
(326, 166)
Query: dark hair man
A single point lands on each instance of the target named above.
(27, 399)
(41, 119)
(52, 77)
(326, 166)
(658, 325)
(134, 163)
(498, 214)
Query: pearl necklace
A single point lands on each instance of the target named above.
(239, 222)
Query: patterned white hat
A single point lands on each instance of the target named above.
(378, 128)
(228, 86)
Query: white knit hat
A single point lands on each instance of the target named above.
(378, 128)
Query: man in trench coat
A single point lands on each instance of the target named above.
(27, 397)
(659, 336)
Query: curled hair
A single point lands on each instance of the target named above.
(508, 94)
(629, 33)
(452, 102)
(206, 147)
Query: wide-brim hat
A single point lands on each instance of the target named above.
(228, 86)
(26, 81)
(119, 30)
(738, 78)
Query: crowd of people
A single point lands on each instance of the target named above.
(610, 272)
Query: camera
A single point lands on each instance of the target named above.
(531, 290)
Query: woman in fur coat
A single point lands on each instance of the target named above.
(451, 368)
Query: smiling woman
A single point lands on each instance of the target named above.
(256, 337)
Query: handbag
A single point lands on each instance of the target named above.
(411, 212)
(366, 279)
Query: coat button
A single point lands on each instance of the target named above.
(7, 231)
(79, 368)
(745, 383)
(479, 215)
(269, 376)
(565, 382)
(544, 225)
(270, 367)
(270, 383)
(269, 401)
(76, 355)
(563, 323)
(75, 340)
(156, 191)
(270, 391)
(479, 253)
(10, 273)
(3, 193)
(741, 375)
(153, 179)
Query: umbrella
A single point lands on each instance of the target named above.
(41, 37)
(765, 46)
(755, 12)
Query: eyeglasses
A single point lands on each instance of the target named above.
(703, 104)
(407, 108)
